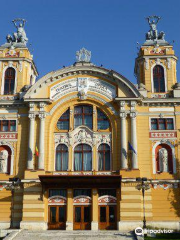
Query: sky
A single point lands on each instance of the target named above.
(110, 29)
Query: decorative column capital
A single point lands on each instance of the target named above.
(31, 106)
(41, 106)
(42, 116)
(133, 114)
(123, 114)
(133, 105)
(122, 105)
(32, 116)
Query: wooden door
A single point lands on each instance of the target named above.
(57, 217)
(82, 217)
(107, 217)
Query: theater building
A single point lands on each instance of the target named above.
(80, 136)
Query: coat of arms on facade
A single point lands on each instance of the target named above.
(82, 87)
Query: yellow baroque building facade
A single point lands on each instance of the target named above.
(77, 141)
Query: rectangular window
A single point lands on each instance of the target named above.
(103, 192)
(7, 125)
(80, 192)
(57, 192)
(162, 124)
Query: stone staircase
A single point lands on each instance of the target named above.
(73, 235)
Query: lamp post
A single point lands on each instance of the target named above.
(15, 185)
(144, 186)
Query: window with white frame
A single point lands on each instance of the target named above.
(7, 125)
(162, 124)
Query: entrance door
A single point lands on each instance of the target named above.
(82, 217)
(107, 217)
(57, 217)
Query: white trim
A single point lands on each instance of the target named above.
(158, 109)
(12, 155)
(154, 155)
(2, 111)
(165, 76)
(3, 75)
(164, 117)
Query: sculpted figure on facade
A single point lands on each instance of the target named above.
(20, 35)
(163, 160)
(3, 161)
(153, 32)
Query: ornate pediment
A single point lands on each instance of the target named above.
(82, 135)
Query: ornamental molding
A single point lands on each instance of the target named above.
(57, 200)
(123, 114)
(41, 106)
(133, 114)
(72, 97)
(42, 116)
(8, 98)
(165, 186)
(8, 136)
(114, 78)
(166, 134)
(82, 199)
(31, 116)
(82, 85)
(31, 106)
(160, 95)
(146, 63)
(107, 200)
(9, 144)
(20, 66)
(82, 135)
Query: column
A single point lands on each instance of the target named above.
(134, 140)
(94, 223)
(41, 141)
(31, 141)
(69, 223)
(118, 196)
(124, 164)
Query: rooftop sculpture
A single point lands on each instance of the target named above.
(153, 34)
(20, 35)
(83, 55)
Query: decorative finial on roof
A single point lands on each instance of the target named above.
(20, 35)
(83, 55)
(152, 34)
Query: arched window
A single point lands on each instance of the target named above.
(61, 158)
(83, 115)
(5, 157)
(102, 121)
(104, 157)
(9, 81)
(158, 79)
(83, 158)
(164, 161)
(63, 122)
